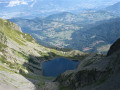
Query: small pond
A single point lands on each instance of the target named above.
(58, 66)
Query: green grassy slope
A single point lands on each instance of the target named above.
(21, 57)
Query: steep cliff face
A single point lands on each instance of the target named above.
(10, 25)
(96, 72)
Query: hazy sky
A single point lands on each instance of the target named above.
(11, 3)
(15, 8)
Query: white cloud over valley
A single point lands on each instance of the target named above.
(17, 2)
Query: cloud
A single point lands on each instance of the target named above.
(34, 1)
(16, 2)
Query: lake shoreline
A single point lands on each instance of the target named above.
(71, 65)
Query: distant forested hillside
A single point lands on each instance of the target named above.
(82, 31)
(96, 37)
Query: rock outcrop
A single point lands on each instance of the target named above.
(15, 27)
(3, 38)
(96, 72)
(115, 47)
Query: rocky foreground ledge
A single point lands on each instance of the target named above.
(95, 72)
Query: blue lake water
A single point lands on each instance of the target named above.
(58, 66)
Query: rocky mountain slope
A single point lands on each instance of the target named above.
(96, 72)
(21, 57)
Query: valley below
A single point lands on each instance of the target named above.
(87, 31)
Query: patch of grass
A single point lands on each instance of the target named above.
(5, 81)
(5, 69)
(11, 79)
(41, 83)
(37, 77)
(20, 54)
(22, 82)
(43, 54)
(54, 51)
(11, 33)
(29, 38)
(74, 55)
(3, 37)
(2, 47)
(61, 87)
(2, 59)
(77, 57)
(14, 35)
(15, 66)
(9, 83)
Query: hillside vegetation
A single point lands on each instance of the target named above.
(21, 57)
(97, 38)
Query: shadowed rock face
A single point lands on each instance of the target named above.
(95, 72)
(115, 47)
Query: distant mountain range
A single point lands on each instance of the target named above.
(67, 29)
(97, 38)
(89, 31)
(41, 8)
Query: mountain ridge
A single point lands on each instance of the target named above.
(114, 9)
